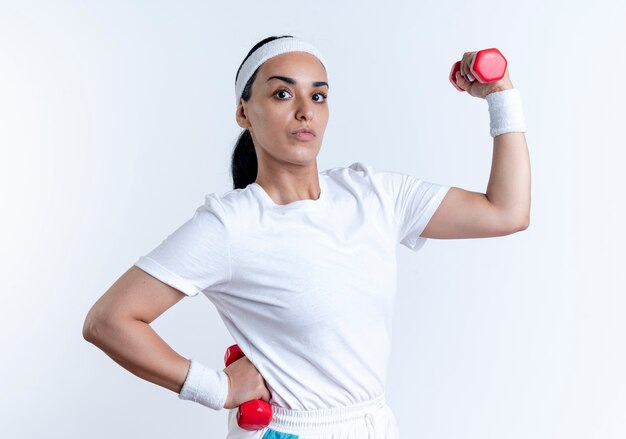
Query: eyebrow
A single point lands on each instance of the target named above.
(293, 81)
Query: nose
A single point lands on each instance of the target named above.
(305, 110)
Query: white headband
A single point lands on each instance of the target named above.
(270, 50)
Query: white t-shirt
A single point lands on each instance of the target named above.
(306, 289)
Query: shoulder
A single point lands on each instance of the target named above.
(232, 207)
(230, 199)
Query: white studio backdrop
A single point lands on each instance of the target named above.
(117, 117)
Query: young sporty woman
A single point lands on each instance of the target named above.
(301, 264)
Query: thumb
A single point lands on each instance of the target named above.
(462, 82)
(266, 395)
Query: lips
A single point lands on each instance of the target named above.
(304, 130)
(304, 134)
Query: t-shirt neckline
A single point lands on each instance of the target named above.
(298, 204)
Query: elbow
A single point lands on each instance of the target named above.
(514, 223)
(94, 325)
(89, 329)
(525, 222)
(521, 224)
(525, 225)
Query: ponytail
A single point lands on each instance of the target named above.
(244, 162)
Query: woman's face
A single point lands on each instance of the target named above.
(279, 106)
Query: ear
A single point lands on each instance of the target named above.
(241, 117)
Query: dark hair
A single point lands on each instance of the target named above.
(244, 165)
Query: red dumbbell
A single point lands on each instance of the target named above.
(488, 65)
(255, 414)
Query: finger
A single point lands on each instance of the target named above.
(471, 69)
(463, 65)
(462, 82)
(466, 64)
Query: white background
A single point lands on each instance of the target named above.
(117, 117)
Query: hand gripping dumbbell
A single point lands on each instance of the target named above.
(255, 414)
(488, 65)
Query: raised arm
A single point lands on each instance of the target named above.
(505, 207)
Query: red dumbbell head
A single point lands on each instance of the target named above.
(489, 65)
(254, 415)
(233, 353)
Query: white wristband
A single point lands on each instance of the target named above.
(206, 386)
(506, 114)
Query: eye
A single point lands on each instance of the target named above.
(282, 90)
(324, 95)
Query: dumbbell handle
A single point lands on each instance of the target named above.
(488, 65)
(255, 414)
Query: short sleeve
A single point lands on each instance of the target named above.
(196, 255)
(414, 203)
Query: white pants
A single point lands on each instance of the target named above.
(368, 420)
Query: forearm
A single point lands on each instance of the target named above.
(508, 189)
(135, 346)
(509, 182)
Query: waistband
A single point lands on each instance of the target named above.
(307, 420)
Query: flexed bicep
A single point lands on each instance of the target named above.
(467, 214)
